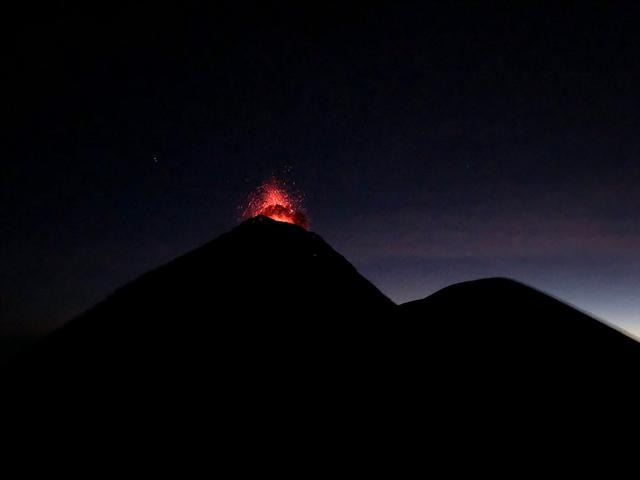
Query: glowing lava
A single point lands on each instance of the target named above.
(272, 200)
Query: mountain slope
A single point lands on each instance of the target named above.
(268, 341)
(273, 291)
(264, 287)
(511, 329)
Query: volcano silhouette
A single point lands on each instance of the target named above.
(266, 288)
(268, 320)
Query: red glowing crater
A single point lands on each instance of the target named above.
(272, 200)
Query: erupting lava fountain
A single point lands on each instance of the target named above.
(272, 200)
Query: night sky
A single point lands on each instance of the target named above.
(432, 144)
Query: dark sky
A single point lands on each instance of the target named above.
(432, 144)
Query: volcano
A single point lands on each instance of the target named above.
(273, 326)
(266, 288)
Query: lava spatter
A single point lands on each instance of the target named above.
(273, 200)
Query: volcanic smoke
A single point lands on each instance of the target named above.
(272, 200)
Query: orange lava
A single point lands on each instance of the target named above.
(272, 200)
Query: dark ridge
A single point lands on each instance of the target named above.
(267, 331)
(511, 325)
(265, 285)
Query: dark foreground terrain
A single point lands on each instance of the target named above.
(266, 334)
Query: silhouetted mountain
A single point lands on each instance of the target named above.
(510, 330)
(265, 292)
(515, 311)
(282, 334)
